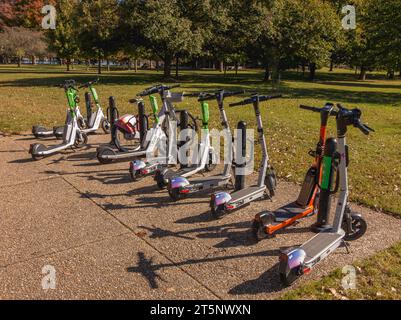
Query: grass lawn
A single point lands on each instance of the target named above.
(28, 97)
(378, 277)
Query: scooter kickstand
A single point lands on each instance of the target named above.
(347, 247)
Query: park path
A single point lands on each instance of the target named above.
(109, 238)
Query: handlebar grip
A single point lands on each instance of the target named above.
(314, 109)
(237, 104)
(191, 95)
(364, 128)
(264, 98)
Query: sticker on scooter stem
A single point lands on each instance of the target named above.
(326, 172)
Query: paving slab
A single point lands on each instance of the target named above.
(99, 271)
(43, 217)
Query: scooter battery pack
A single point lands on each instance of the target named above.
(308, 188)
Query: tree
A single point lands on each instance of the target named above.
(63, 40)
(301, 31)
(98, 22)
(19, 42)
(170, 28)
(384, 33)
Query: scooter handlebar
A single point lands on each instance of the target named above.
(255, 99)
(89, 83)
(314, 109)
(157, 89)
(363, 127)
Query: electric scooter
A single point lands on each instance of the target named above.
(347, 226)
(205, 156)
(96, 119)
(223, 202)
(89, 125)
(267, 223)
(41, 132)
(180, 187)
(140, 168)
(108, 154)
(72, 136)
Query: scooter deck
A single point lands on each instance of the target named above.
(169, 174)
(203, 183)
(321, 245)
(289, 211)
(250, 194)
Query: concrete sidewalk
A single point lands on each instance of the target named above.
(109, 238)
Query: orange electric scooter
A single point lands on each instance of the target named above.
(267, 223)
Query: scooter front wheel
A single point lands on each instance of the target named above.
(358, 227)
(106, 126)
(81, 140)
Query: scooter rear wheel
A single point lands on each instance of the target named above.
(34, 151)
(359, 227)
(217, 211)
(290, 278)
(133, 174)
(175, 194)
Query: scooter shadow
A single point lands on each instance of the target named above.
(149, 270)
(232, 234)
(268, 282)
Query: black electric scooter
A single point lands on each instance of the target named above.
(223, 202)
(180, 187)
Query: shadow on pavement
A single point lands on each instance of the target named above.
(148, 269)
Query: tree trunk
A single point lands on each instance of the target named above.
(236, 68)
(303, 70)
(108, 65)
(99, 65)
(136, 65)
(177, 61)
(268, 74)
(331, 65)
(391, 74)
(68, 64)
(362, 75)
(312, 71)
(150, 64)
(167, 66)
(33, 60)
(221, 63)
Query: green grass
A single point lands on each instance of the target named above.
(378, 277)
(28, 98)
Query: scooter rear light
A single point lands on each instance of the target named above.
(306, 270)
(144, 171)
(230, 207)
(184, 191)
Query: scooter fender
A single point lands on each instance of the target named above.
(137, 165)
(292, 259)
(178, 183)
(221, 198)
